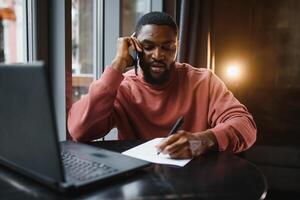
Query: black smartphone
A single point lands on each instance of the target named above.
(136, 63)
(136, 59)
(135, 56)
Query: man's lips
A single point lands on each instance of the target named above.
(158, 64)
(157, 67)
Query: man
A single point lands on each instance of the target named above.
(146, 105)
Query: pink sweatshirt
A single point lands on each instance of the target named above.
(143, 111)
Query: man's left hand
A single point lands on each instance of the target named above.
(185, 144)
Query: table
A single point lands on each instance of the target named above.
(213, 176)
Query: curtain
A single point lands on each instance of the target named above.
(195, 33)
(2, 58)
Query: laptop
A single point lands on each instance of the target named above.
(29, 138)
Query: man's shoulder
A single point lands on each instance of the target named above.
(193, 71)
(129, 78)
(129, 73)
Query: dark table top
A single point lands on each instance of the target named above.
(213, 176)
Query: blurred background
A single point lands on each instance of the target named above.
(252, 45)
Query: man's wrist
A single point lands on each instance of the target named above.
(119, 64)
(213, 142)
(209, 138)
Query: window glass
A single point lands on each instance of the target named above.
(131, 11)
(82, 47)
(87, 28)
(83, 70)
(12, 31)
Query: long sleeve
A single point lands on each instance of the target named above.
(141, 111)
(92, 116)
(232, 124)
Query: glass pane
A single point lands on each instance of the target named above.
(131, 11)
(82, 47)
(12, 31)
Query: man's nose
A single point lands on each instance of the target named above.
(158, 54)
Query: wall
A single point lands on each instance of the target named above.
(264, 35)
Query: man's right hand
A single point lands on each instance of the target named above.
(123, 59)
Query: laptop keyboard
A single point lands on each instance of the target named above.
(82, 169)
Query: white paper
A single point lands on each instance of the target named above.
(148, 152)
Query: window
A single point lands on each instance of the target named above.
(82, 47)
(95, 28)
(131, 11)
(12, 31)
(96, 25)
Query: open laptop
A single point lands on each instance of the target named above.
(29, 139)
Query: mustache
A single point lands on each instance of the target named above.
(158, 63)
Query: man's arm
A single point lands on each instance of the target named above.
(233, 128)
(231, 123)
(92, 116)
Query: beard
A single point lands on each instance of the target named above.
(154, 78)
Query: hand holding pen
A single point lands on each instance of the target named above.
(181, 144)
(175, 128)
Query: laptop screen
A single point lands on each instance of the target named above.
(27, 139)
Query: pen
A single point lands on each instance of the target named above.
(175, 127)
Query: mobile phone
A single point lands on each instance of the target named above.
(136, 59)
(135, 55)
(136, 63)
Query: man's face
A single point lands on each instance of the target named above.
(159, 43)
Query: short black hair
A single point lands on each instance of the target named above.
(157, 18)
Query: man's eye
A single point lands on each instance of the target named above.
(148, 47)
(169, 47)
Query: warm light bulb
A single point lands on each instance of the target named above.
(233, 71)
